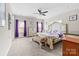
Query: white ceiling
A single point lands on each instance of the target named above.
(27, 9)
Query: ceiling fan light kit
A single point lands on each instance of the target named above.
(40, 12)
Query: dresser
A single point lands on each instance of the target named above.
(70, 46)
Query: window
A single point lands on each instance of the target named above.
(2, 14)
(21, 26)
(39, 26)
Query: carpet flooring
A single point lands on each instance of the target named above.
(26, 47)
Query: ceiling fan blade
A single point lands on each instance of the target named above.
(45, 12)
(39, 10)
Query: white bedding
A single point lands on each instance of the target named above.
(43, 34)
(51, 38)
(48, 34)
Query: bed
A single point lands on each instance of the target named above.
(48, 38)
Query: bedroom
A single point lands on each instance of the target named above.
(31, 23)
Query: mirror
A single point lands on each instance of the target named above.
(2, 14)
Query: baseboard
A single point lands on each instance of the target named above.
(72, 34)
(8, 48)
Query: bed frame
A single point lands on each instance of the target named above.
(46, 40)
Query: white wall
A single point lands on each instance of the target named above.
(58, 9)
(27, 9)
(73, 26)
(5, 35)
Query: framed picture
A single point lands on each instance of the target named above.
(73, 18)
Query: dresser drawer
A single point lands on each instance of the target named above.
(70, 48)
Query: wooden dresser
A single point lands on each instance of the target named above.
(70, 46)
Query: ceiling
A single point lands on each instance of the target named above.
(27, 9)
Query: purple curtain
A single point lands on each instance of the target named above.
(37, 27)
(25, 28)
(41, 26)
(16, 28)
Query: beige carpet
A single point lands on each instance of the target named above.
(26, 47)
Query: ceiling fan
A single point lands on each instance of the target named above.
(41, 12)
